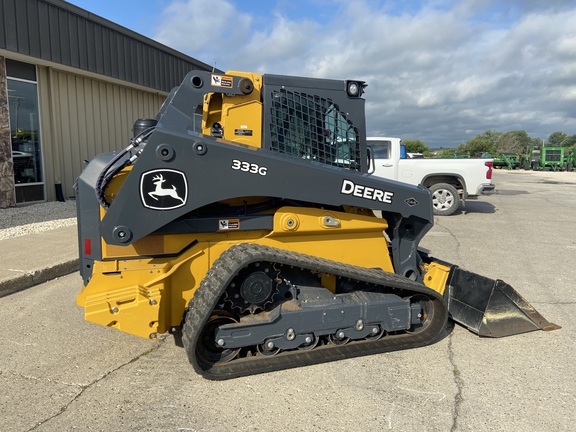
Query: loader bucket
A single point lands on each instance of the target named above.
(491, 307)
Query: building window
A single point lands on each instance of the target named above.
(26, 143)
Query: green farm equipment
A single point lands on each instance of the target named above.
(545, 158)
(570, 159)
(552, 158)
(503, 160)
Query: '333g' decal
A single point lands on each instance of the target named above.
(248, 167)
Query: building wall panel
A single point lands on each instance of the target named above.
(43, 32)
(83, 118)
(9, 26)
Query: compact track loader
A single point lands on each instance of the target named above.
(244, 216)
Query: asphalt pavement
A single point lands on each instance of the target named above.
(59, 372)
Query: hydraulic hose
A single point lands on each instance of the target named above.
(112, 168)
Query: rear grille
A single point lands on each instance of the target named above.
(554, 155)
(313, 128)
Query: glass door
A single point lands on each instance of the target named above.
(26, 145)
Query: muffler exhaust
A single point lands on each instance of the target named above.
(491, 307)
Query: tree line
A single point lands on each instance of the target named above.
(493, 142)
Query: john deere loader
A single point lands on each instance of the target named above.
(245, 217)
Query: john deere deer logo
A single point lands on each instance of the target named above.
(163, 189)
(160, 191)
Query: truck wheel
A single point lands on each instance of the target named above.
(445, 199)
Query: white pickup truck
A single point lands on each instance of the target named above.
(451, 181)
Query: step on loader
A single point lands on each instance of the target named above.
(244, 216)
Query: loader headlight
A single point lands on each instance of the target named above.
(355, 88)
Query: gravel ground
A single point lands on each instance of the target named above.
(18, 221)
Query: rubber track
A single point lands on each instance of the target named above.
(239, 256)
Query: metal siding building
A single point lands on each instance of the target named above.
(92, 79)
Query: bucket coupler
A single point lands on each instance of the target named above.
(491, 307)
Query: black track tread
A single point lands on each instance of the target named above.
(238, 256)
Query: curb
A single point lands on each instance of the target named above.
(37, 277)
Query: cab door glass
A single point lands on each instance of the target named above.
(342, 138)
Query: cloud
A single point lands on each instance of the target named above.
(440, 71)
(209, 30)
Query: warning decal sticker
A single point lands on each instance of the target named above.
(243, 132)
(228, 224)
(222, 81)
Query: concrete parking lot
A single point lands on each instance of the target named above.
(59, 373)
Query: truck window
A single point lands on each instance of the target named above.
(381, 149)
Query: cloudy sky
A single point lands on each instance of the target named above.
(441, 71)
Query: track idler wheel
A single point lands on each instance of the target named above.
(209, 352)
